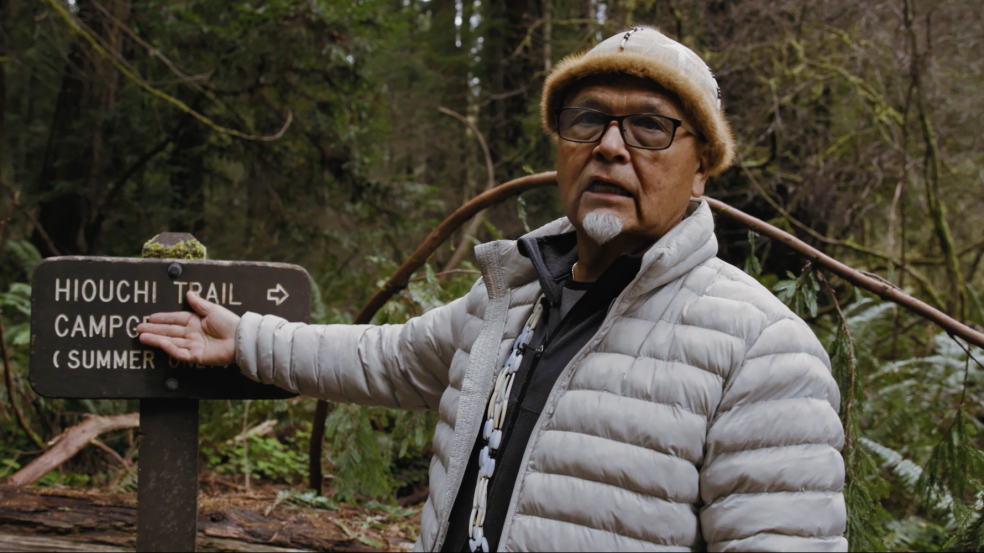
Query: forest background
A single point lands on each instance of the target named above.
(858, 125)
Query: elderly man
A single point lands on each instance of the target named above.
(608, 384)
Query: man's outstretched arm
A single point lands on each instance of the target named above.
(400, 366)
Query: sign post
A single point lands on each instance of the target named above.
(84, 345)
(167, 475)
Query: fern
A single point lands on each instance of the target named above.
(911, 474)
(26, 256)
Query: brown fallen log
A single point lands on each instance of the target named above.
(238, 522)
(68, 443)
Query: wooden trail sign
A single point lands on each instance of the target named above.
(84, 311)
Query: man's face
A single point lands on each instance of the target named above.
(648, 190)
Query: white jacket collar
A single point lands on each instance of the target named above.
(686, 246)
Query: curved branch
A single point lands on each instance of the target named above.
(437, 237)
(882, 289)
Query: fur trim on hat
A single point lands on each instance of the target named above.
(707, 117)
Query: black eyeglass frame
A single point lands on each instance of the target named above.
(621, 126)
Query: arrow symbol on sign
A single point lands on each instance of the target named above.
(271, 294)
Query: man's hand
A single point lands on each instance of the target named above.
(206, 338)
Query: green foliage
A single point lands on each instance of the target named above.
(362, 444)
(17, 301)
(269, 458)
(521, 212)
(25, 255)
(955, 463)
(752, 265)
(799, 293)
(863, 491)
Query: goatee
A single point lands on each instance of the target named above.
(601, 226)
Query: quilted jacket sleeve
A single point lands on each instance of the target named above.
(773, 473)
(399, 366)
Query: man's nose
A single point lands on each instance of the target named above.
(612, 147)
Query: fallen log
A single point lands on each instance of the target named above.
(70, 520)
(68, 443)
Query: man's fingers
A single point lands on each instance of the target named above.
(201, 306)
(175, 317)
(172, 330)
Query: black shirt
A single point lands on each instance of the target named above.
(567, 326)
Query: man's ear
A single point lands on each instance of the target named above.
(700, 176)
(697, 189)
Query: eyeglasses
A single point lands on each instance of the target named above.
(648, 131)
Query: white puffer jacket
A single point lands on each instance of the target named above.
(702, 415)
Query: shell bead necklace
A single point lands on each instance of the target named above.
(495, 416)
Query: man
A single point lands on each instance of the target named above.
(608, 384)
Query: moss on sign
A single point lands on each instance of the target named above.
(191, 249)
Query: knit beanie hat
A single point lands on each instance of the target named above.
(649, 54)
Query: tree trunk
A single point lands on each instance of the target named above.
(77, 153)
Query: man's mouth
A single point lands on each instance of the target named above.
(599, 186)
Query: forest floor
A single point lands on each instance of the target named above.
(68, 519)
